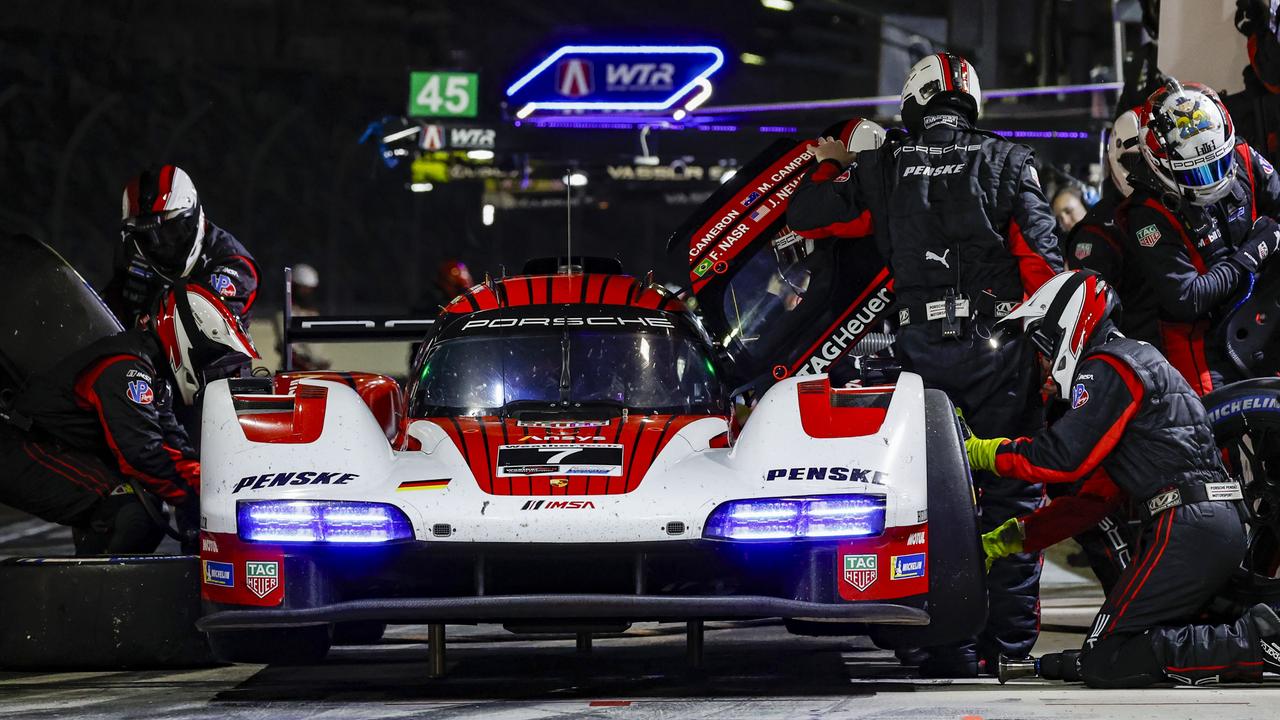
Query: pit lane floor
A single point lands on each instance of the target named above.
(751, 670)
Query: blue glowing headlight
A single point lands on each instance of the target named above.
(799, 518)
(321, 521)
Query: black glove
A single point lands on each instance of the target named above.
(1262, 242)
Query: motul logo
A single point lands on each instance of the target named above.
(575, 78)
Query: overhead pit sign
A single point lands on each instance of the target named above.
(615, 77)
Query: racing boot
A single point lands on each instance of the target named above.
(1267, 624)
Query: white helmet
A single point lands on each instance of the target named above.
(196, 331)
(940, 75)
(1061, 317)
(1122, 150)
(161, 215)
(305, 276)
(862, 134)
(1188, 141)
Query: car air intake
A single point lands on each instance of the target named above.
(442, 530)
(675, 527)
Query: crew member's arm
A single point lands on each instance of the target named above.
(1068, 516)
(234, 279)
(1032, 233)
(121, 390)
(1185, 289)
(827, 202)
(1105, 398)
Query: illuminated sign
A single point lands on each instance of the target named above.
(615, 77)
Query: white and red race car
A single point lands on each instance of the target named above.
(564, 457)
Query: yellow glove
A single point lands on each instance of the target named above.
(1004, 541)
(982, 453)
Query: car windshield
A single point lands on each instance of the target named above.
(766, 299)
(642, 371)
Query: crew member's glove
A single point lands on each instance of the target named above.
(1004, 541)
(982, 453)
(1259, 245)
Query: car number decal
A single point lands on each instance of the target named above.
(559, 459)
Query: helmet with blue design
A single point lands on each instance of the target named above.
(1188, 141)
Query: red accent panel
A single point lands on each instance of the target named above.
(380, 392)
(1152, 559)
(131, 192)
(1011, 463)
(821, 419)
(303, 424)
(859, 227)
(1033, 268)
(166, 186)
(826, 170)
(1071, 515)
(893, 543)
(227, 548)
(946, 71)
(1184, 347)
(1246, 159)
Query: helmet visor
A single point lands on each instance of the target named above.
(165, 243)
(1204, 176)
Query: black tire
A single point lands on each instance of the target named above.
(957, 580)
(101, 613)
(273, 646)
(363, 632)
(1232, 422)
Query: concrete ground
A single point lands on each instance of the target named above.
(752, 670)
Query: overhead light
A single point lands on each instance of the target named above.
(525, 111)
(783, 5)
(486, 214)
(704, 92)
(421, 187)
(649, 160)
(574, 179)
(401, 134)
(751, 59)
(479, 154)
(728, 175)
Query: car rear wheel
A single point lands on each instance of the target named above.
(957, 600)
(272, 646)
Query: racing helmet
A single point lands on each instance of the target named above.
(1122, 150)
(940, 76)
(1187, 139)
(1060, 318)
(197, 331)
(162, 217)
(862, 135)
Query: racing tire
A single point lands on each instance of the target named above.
(101, 613)
(364, 632)
(272, 646)
(1256, 581)
(957, 600)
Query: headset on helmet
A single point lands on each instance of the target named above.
(162, 216)
(1122, 150)
(941, 75)
(196, 331)
(1061, 317)
(1188, 141)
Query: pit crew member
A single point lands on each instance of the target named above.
(1199, 228)
(1135, 418)
(960, 216)
(166, 237)
(102, 417)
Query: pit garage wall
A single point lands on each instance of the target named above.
(1199, 42)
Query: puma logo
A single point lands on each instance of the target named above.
(931, 255)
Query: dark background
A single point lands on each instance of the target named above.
(263, 101)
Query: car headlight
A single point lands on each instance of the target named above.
(800, 518)
(321, 521)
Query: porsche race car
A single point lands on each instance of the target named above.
(565, 457)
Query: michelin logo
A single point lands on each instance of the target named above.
(1235, 407)
(907, 566)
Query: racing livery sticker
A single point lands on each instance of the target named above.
(261, 577)
(1079, 396)
(140, 392)
(601, 459)
(1083, 250)
(1149, 236)
(1252, 403)
(703, 267)
(280, 479)
(860, 570)
(221, 574)
(837, 474)
(222, 285)
(424, 485)
(558, 505)
(907, 566)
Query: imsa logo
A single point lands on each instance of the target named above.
(860, 571)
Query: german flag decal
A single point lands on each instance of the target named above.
(424, 485)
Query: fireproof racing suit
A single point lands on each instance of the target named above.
(1183, 257)
(98, 417)
(1136, 419)
(960, 215)
(225, 268)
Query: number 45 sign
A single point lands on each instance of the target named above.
(442, 94)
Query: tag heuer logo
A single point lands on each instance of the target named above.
(261, 577)
(860, 570)
(1149, 236)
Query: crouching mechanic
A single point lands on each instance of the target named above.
(83, 435)
(1135, 422)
